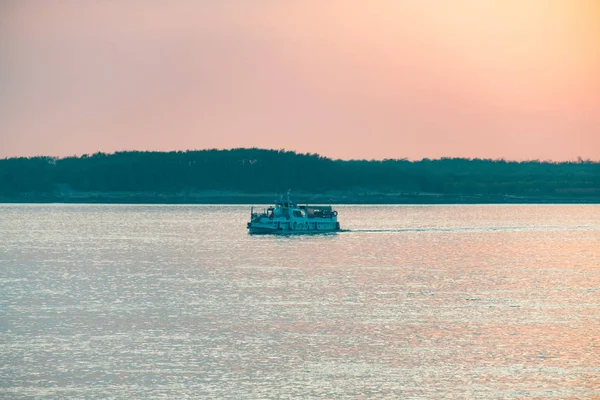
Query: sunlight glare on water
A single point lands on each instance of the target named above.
(131, 301)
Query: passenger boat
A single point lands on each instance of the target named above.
(286, 217)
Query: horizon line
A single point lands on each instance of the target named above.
(579, 159)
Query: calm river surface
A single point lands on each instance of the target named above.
(464, 302)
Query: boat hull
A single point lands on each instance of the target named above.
(261, 229)
(254, 230)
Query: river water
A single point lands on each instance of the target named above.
(413, 302)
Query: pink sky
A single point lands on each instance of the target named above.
(518, 79)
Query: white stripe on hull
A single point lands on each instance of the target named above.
(265, 231)
(287, 227)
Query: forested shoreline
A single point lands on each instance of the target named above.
(258, 175)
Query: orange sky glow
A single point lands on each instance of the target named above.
(514, 79)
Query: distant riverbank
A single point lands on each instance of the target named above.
(257, 176)
(232, 197)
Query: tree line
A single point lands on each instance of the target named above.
(275, 171)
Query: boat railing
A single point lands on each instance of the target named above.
(254, 215)
(321, 213)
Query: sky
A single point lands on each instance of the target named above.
(349, 79)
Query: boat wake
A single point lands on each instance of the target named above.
(473, 229)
